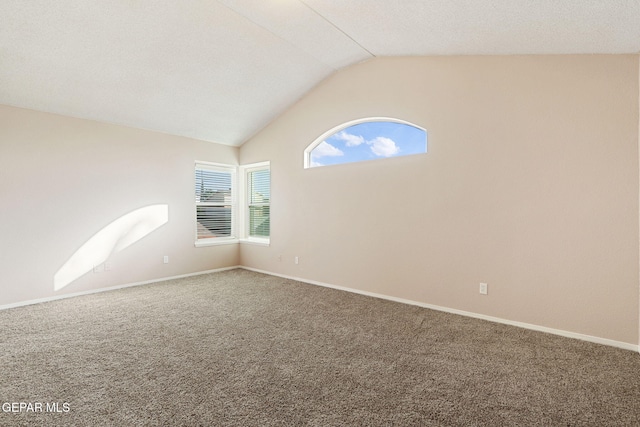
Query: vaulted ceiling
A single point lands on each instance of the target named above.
(221, 70)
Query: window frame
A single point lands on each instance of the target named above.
(343, 126)
(217, 167)
(245, 195)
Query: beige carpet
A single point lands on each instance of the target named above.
(244, 349)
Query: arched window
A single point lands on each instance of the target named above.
(366, 139)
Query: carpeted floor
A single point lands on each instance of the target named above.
(238, 348)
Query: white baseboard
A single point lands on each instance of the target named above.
(567, 334)
(111, 288)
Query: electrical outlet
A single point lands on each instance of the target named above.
(279, 258)
(166, 259)
(484, 288)
(295, 260)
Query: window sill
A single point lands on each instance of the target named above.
(254, 241)
(215, 242)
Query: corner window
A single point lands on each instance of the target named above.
(366, 139)
(257, 212)
(215, 203)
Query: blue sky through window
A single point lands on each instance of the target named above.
(369, 140)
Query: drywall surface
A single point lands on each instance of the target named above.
(530, 184)
(74, 191)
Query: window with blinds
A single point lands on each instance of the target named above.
(215, 202)
(259, 195)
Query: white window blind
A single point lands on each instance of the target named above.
(215, 201)
(259, 195)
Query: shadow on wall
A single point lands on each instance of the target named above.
(118, 235)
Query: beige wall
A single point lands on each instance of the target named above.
(62, 180)
(530, 184)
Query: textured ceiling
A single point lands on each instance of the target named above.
(221, 70)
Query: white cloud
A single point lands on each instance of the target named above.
(315, 163)
(326, 150)
(383, 147)
(350, 139)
